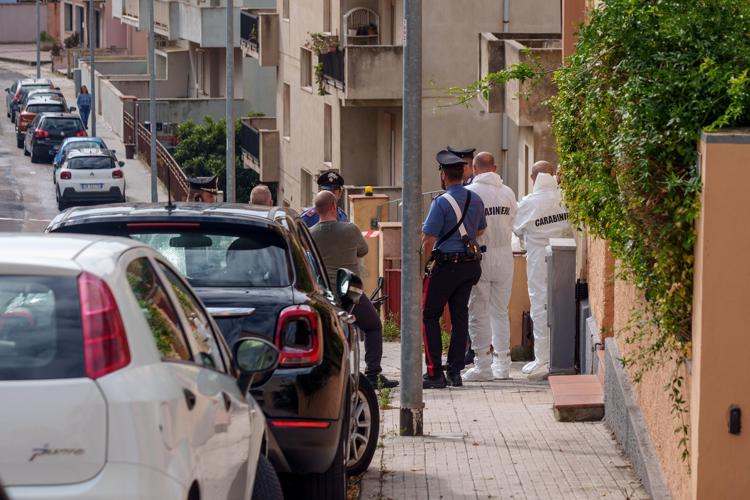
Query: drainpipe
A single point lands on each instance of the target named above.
(506, 15)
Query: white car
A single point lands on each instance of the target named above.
(116, 383)
(90, 176)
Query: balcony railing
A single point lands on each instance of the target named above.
(259, 143)
(249, 30)
(333, 68)
(365, 73)
(259, 35)
(250, 141)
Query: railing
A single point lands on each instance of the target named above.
(168, 171)
(393, 210)
(249, 30)
(250, 141)
(128, 128)
(333, 68)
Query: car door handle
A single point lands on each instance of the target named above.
(189, 398)
(227, 401)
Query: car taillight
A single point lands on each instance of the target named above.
(17, 98)
(40, 134)
(299, 337)
(81, 133)
(104, 339)
(65, 175)
(117, 174)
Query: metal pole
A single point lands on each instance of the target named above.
(92, 48)
(38, 41)
(411, 272)
(152, 100)
(231, 187)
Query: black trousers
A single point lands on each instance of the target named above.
(369, 322)
(449, 283)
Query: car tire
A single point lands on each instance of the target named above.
(267, 485)
(331, 484)
(34, 158)
(61, 205)
(364, 428)
(19, 142)
(25, 151)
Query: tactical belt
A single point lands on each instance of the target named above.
(457, 257)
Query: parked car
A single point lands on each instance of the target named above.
(46, 133)
(115, 380)
(40, 92)
(15, 93)
(323, 415)
(34, 106)
(75, 144)
(90, 176)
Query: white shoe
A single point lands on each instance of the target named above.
(540, 373)
(500, 372)
(529, 367)
(476, 375)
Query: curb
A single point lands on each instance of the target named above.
(25, 62)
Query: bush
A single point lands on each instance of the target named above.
(201, 151)
(73, 41)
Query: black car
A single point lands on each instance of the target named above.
(35, 106)
(322, 414)
(46, 133)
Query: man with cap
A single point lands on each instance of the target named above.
(328, 180)
(541, 216)
(467, 155)
(456, 218)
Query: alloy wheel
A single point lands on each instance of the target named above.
(360, 428)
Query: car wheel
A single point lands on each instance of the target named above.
(332, 483)
(19, 142)
(267, 485)
(25, 151)
(34, 158)
(61, 205)
(363, 429)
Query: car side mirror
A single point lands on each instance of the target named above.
(254, 357)
(348, 287)
(121, 163)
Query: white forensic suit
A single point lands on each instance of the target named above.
(488, 305)
(540, 217)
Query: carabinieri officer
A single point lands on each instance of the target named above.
(455, 220)
(328, 180)
(467, 155)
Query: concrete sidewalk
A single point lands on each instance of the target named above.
(137, 172)
(23, 53)
(495, 440)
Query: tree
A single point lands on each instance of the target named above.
(201, 152)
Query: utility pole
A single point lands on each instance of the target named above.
(38, 41)
(92, 48)
(152, 100)
(231, 187)
(411, 273)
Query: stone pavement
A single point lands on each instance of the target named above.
(495, 440)
(23, 53)
(137, 172)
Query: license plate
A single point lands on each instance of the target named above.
(91, 187)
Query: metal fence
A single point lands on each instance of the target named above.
(250, 140)
(249, 29)
(333, 68)
(393, 210)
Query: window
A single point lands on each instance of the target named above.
(305, 68)
(306, 189)
(158, 311)
(327, 133)
(68, 17)
(199, 327)
(91, 163)
(311, 254)
(287, 111)
(241, 257)
(45, 108)
(285, 10)
(40, 328)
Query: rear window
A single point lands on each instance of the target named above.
(78, 145)
(255, 258)
(62, 125)
(45, 108)
(90, 163)
(40, 328)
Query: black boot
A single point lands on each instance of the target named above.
(380, 382)
(454, 379)
(436, 382)
(469, 358)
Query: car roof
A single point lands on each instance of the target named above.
(60, 115)
(53, 250)
(77, 153)
(35, 81)
(44, 100)
(159, 212)
(69, 140)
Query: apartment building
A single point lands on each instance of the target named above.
(356, 126)
(109, 32)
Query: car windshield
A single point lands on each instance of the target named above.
(78, 145)
(62, 125)
(254, 257)
(40, 328)
(90, 163)
(45, 108)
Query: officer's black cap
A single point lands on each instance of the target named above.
(330, 180)
(447, 159)
(467, 153)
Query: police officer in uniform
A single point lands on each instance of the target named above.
(456, 218)
(328, 180)
(467, 155)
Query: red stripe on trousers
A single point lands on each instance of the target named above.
(430, 363)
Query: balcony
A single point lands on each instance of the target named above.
(131, 13)
(498, 51)
(259, 35)
(259, 143)
(365, 74)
